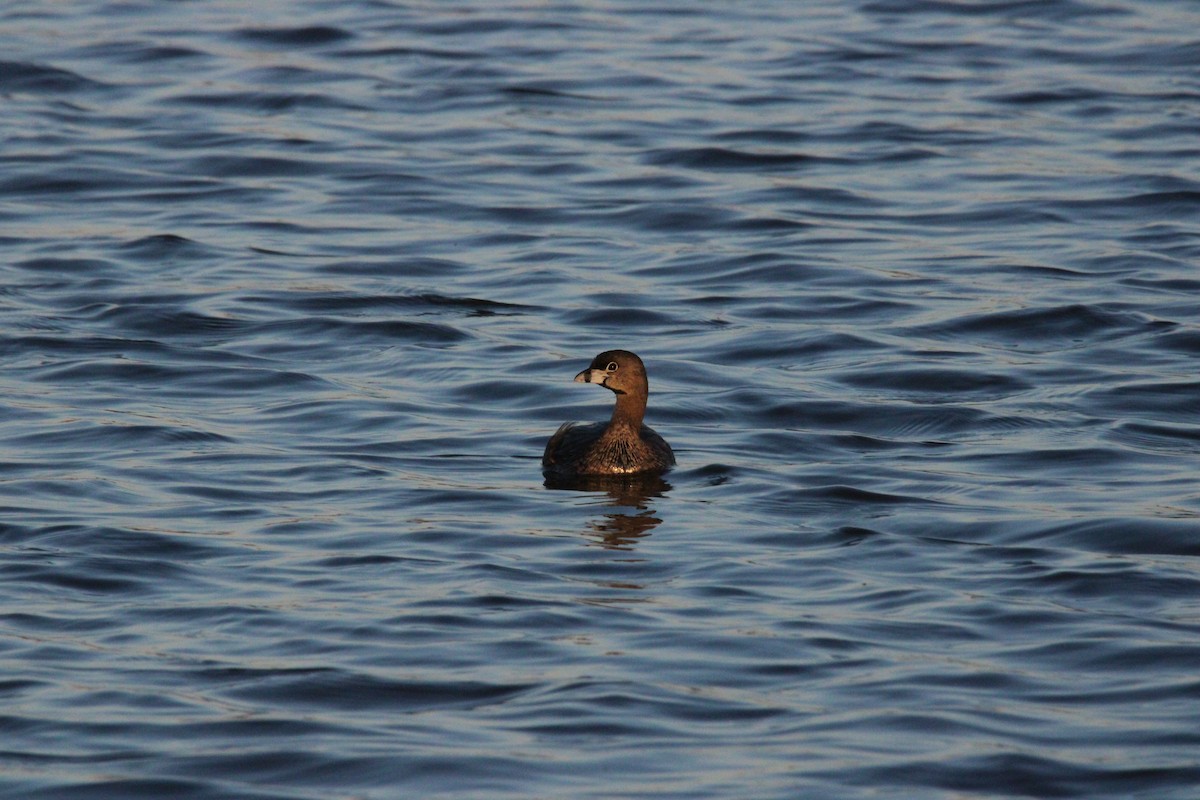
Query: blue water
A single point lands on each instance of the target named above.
(292, 298)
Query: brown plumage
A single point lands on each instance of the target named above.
(623, 445)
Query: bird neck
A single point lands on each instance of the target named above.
(630, 409)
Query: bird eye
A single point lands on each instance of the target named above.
(612, 366)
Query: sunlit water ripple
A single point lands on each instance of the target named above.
(293, 296)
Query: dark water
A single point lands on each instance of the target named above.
(292, 298)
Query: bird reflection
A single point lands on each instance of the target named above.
(618, 530)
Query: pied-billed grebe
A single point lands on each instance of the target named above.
(624, 445)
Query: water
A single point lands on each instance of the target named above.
(293, 295)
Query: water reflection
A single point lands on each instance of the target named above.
(633, 494)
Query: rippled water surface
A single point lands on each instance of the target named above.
(292, 298)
